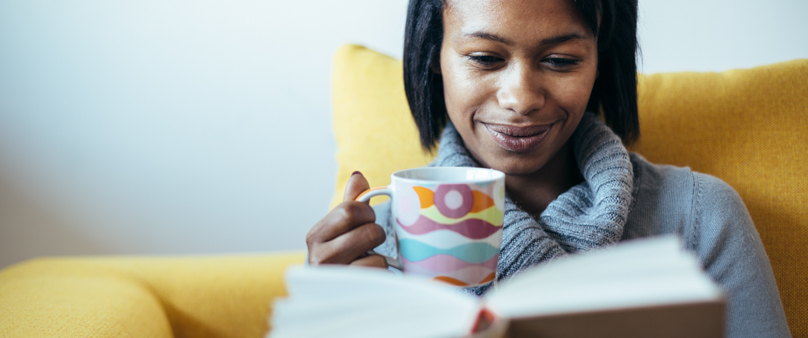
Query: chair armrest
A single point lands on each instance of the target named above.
(221, 296)
(58, 299)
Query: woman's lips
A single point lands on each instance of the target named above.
(518, 139)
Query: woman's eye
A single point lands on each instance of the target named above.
(485, 60)
(561, 63)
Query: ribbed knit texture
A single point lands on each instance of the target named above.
(589, 215)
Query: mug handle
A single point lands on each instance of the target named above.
(364, 197)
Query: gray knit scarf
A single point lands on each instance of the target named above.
(588, 216)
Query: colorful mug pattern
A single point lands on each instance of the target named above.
(449, 232)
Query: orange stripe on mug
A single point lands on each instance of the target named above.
(489, 278)
(450, 280)
(426, 196)
(481, 201)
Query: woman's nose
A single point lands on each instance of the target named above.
(520, 91)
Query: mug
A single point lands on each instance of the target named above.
(448, 222)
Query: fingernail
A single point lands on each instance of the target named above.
(355, 172)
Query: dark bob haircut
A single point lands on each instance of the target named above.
(614, 93)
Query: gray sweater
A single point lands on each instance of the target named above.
(624, 197)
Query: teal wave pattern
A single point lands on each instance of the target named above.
(475, 253)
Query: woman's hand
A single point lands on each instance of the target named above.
(348, 232)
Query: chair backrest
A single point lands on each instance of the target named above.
(748, 127)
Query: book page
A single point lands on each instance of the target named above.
(638, 273)
(337, 301)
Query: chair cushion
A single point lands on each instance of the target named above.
(747, 127)
(372, 123)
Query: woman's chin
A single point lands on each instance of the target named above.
(510, 162)
(518, 168)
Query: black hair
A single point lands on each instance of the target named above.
(614, 93)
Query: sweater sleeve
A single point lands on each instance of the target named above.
(731, 252)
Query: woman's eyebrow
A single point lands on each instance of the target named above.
(561, 38)
(548, 41)
(488, 36)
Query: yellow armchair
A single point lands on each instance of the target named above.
(747, 127)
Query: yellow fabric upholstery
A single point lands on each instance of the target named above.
(747, 127)
(372, 121)
(750, 128)
(222, 296)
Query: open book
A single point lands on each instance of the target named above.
(640, 288)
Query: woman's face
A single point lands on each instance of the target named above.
(517, 75)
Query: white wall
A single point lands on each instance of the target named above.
(716, 35)
(163, 127)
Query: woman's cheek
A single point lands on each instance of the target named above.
(574, 93)
(463, 97)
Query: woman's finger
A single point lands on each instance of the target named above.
(356, 185)
(343, 218)
(373, 261)
(347, 247)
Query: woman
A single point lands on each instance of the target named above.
(518, 80)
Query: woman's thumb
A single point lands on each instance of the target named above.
(356, 185)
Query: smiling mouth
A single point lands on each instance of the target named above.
(518, 139)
